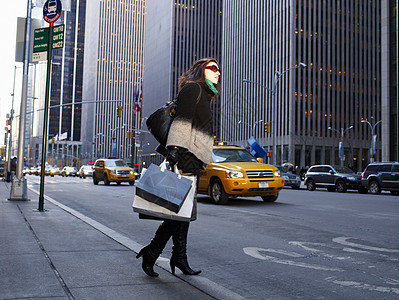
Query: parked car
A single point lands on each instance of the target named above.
(112, 170)
(382, 176)
(290, 179)
(334, 178)
(69, 171)
(85, 170)
(233, 172)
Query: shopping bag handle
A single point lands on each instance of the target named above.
(175, 169)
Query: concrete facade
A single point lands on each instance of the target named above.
(339, 41)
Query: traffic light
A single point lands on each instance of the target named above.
(119, 111)
(267, 126)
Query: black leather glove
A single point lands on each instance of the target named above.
(173, 156)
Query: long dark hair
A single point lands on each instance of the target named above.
(196, 73)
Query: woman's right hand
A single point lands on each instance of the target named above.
(173, 155)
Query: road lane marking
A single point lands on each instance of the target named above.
(361, 285)
(256, 253)
(344, 241)
(312, 249)
(199, 282)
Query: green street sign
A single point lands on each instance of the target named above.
(40, 41)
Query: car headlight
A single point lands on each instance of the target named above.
(234, 174)
(352, 178)
(277, 173)
(131, 172)
(67, 173)
(113, 171)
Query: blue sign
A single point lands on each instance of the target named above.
(340, 154)
(114, 149)
(52, 11)
(256, 149)
(374, 144)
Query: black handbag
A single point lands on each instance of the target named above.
(158, 123)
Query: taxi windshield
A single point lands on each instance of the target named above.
(115, 163)
(232, 155)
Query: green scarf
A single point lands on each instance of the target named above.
(211, 86)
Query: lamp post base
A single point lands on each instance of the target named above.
(18, 189)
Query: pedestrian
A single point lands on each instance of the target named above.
(189, 147)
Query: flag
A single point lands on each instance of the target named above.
(340, 154)
(64, 136)
(138, 99)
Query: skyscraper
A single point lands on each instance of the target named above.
(389, 95)
(113, 68)
(177, 33)
(311, 110)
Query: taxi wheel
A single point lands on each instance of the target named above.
(106, 181)
(131, 182)
(218, 194)
(95, 181)
(269, 198)
(118, 183)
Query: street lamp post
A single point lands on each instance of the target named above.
(373, 139)
(273, 91)
(256, 123)
(341, 134)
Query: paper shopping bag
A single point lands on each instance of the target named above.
(163, 188)
(143, 206)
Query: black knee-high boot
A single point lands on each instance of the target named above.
(179, 251)
(153, 250)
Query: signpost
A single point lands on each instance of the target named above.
(51, 13)
(41, 38)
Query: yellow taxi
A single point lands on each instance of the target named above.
(112, 170)
(233, 172)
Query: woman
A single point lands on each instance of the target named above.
(189, 146)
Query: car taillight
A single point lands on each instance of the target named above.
(363, 174)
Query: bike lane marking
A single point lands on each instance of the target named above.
(361, 285)
(344, 241)
(257, 253)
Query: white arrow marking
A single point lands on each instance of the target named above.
(343, 241)
(364, 286)
(255, 252)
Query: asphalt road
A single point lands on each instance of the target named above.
(306, 245)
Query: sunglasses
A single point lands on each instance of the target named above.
(214, 69)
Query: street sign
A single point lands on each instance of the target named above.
(52, 11)
(40, 40)
(39, 56)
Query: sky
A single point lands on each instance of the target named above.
(8, 28)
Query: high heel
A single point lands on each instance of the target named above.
(182, 264)
(148, 262)
(179, 251)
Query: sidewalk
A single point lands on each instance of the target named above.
(54, 254)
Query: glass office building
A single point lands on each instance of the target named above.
(113, 70)
(177, 33)
(308, 109)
